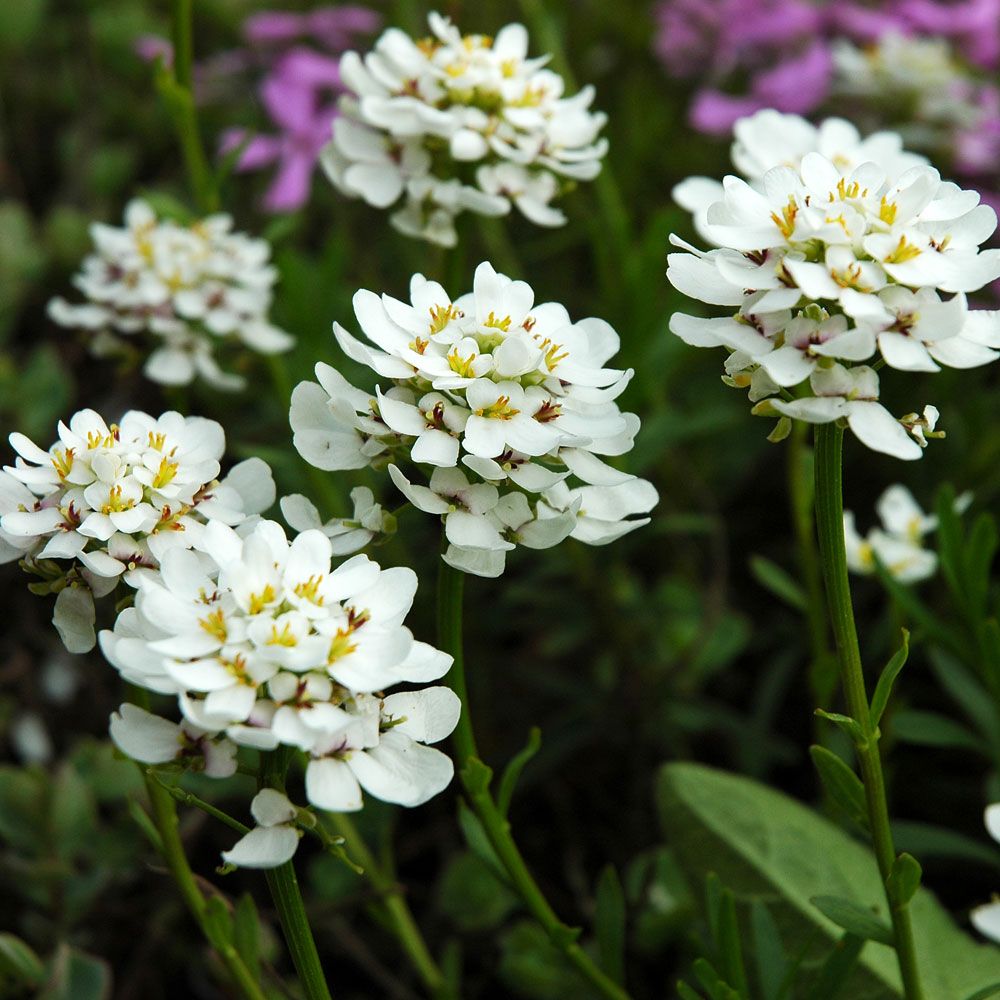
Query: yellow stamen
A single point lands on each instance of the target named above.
(786, 223)
(214, 623)
(260, 601)
(904, 251)
(500, 410)
(309, 591)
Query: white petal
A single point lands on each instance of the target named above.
(330, 784)
(264, 847)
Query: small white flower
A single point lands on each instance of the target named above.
(368, 522)
(986, 918)
(184, 288)
(275, 838)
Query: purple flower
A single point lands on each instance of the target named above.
(334, 27)
(299, 97)
(974, 25)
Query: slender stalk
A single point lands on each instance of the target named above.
(801, 494)
(179, 98)
(830, 526)
(287, 898)
(165, 818)
(494, 822)
(394, 905)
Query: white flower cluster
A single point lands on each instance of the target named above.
(265, 645)
(114, 498)
(500, 401)
(829, 262)
(452, 123)
(183, 287)
(898, 543)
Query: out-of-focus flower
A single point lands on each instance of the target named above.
(184, 289)
(986, 918)
(265, 645)
(899, 543)
(829, 263)
(112, 499)
(419, 114)
(497, 401)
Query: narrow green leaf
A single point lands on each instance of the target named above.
(949, 536)
(930, 729)
(512, 772)
(710, 980)
(904, 879)
(479, 843)
(931, 841)
(684, 992)
(966, 689)
(837, 968)
(476, 776)
(780, 583)
(246, 934)
(18, 962)
(854, 918)
(218, 923)
(730, 947)
(883, 689)
(850, 726)
(609, 923)
(980, 549)
(906, 597)
(842, 785)
(985, 993)
(769, 952)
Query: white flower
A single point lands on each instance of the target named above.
(152, 739)
(266, 644)
(417, 112)
(113, 498)
(184, 288)
(986, 918)
(497, 399)
(898, 544)
(835, 257)
(275, 838)
(368, 522)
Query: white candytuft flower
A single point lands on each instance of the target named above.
(266, 645)
(986, 918)
(829, 262)
(497, 402)
(113, 499)
(275, 838)
(453, 123)
(183, 289)
(899, 543)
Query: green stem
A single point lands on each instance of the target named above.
(394, 905)
(830, 526)
(287, 898)
(822, 672)
(179, 98)
(474, 775)
(165, 818)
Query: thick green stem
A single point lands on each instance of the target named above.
(394, 906)
(495, 824)
(830, 526)
(165, 818)
(287, 898)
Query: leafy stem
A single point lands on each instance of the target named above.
(830, 526)
(476, 776)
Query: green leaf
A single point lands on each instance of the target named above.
(717, 988)
(904, 879)
(769, 952)
(684, 992)
(985, 993)
(246, 934)
(75, 975)
(472, 896)
(842, 785)
(726, 935)
(531, 966)
(773, 578)
(967, 690)
(836, 970)
(883, 689)
(19, 963)
(931, 841)
(479, 843)
(763, 843)
(854, 918)
(218, 923)
(512, 772)
(930, 729)
(609, 923)
(476, 776)
(850, 726)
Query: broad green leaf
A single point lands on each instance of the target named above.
(773, 578)
(609, 923)
(854, 918)
(75, 975)
(842, 785)
(762, 842)
(883, 689)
